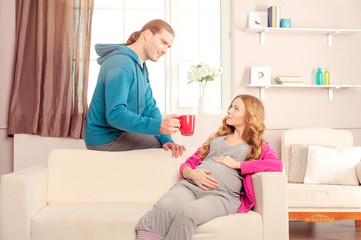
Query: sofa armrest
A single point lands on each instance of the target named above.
(22, 194)
(270, 190)
(358, 172)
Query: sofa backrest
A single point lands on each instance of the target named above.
(317, 136)
(93, 176)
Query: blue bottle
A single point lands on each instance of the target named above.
(319, 77)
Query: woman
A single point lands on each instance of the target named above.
(215, 175)
(123, 115)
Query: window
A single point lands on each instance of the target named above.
(200, 27)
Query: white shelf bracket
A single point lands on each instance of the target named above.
(262, 92)
(262, 37)
(330, 94)
(329, 37)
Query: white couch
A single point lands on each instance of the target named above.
(321, 202)
(90, 195)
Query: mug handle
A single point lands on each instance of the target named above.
(180, 128)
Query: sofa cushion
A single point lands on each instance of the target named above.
(87, 221)
(96, 176)
(332, 166)
(99, 221)
(323, 196)
(249, 226)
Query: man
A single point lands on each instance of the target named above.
(123, 114)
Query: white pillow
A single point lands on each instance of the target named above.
(358, 171)
(332, 166)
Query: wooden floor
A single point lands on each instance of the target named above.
(339, 230)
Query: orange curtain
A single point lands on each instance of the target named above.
(49, 92)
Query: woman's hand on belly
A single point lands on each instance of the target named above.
(200, 177)
(228, 161)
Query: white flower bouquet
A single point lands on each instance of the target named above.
(202, 73)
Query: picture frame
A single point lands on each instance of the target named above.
(257, 19)
(260, 76)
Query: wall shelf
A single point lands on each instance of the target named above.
(330, 88)
(329, 32)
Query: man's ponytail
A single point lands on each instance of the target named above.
(133, 37)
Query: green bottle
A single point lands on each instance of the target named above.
(326, 77)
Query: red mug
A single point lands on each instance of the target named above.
(187, 124)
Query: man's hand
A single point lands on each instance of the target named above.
(200, 177)
(228, 161)
(170, 125)
(177, 150)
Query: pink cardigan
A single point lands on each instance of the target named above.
(268, 162)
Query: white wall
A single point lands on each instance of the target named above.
(7, 43)
(298, 54)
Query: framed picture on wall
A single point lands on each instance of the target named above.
(260, 76)
(257, 19)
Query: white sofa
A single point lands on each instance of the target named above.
(321, 202)
(90, 195)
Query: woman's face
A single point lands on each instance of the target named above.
(157, 45)
(236, 114)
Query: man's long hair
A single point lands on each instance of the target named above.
(253, 132)
(155, 26)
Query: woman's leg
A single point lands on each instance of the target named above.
(158, 220)
(200, 211)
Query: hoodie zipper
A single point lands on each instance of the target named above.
(136, 69)
(146, 72)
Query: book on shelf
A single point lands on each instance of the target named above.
(290, 84)
(289, 80)
(290, 77)
(274, 16)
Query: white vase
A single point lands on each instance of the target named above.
(203, 102)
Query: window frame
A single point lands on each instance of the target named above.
(172, 79)
(172, 63)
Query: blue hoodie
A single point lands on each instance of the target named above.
(122, 99)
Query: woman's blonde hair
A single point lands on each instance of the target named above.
(155, 26)
(253, 132)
